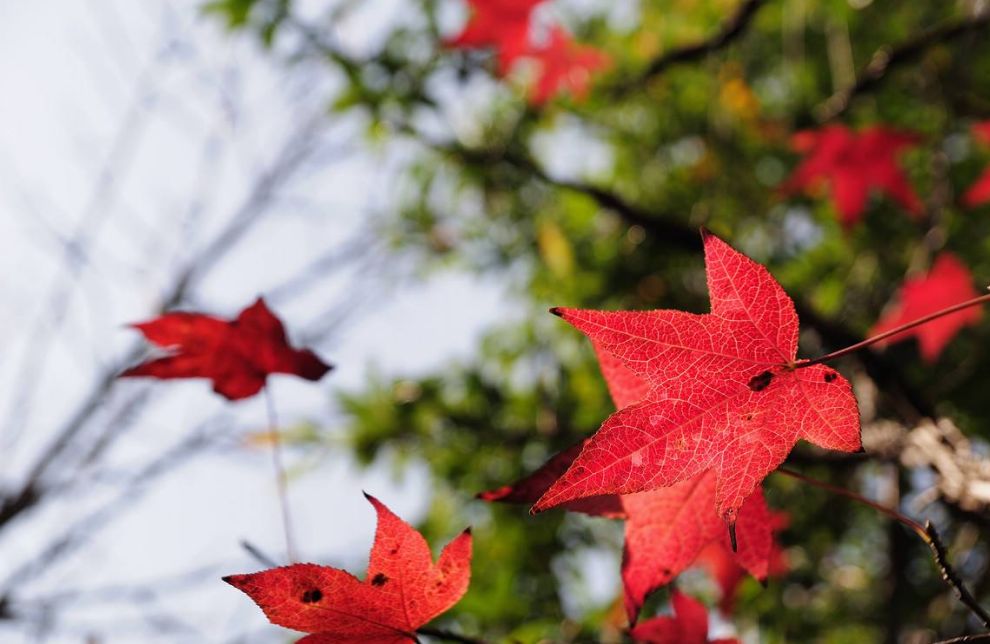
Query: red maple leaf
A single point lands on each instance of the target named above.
(852, 164)
(501, 24)
(564, 66)
(979, 192)
(723, 565)
(948, 282)
(666, 529)
(726, 392)
(238, 355)
(689, 625)
(403, 589)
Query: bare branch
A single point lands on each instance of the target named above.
(730, 31)
(887, 58)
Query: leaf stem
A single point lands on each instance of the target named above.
(281, 480)
(886, 334)
(927, 533)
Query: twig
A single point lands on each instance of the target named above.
(927, 533)
(951, 577)
(982, 637)
(888, 57)
(257, 553)
(448, 636)
(900, 329)
(730, 31)
(281, 480)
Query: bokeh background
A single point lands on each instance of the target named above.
(411, 216)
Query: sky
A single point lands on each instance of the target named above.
(129, 135)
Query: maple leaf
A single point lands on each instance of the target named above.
(726, 393)
(238, 355)
(723, 565)
(564, 66)
(403, 589)
(852, 164)
(689, 625)
(666, 529)
(979, 192)
(502, 24)
(948, 282)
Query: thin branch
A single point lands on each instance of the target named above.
(731, 30)
(448, 636)
(281, 480)
(982, 637)
(258, 555)
(951, 577)
(887, 58)
(927, 533)
(900, 329)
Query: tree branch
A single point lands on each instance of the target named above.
(889, 57)
(448, 636)
(730, 31)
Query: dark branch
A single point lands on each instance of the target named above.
(730, 31)
(448, 636)
(951, 577)
(886, 58)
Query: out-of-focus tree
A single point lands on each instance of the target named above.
(596, 203)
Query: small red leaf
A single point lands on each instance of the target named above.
(979, 192)
(948, 282)
(689, 625)
(852, 164)
(403, 589)
(724, 394)
(237, 355)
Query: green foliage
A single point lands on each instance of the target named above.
(704, 143)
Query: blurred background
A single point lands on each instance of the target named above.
(411, 216)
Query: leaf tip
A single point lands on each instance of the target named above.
(705, 233)
(558, 311)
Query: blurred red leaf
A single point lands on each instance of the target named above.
(852, 164)
(979, 192)
(948, 282)
(237, 355)
(565, 66)
(723, 565)
(689, 625)
(724, 393)
(402, 591)
(500, 24)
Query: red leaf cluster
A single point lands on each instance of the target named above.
(237, 355)
(563, 65)
(852, 164)
(689, 625)
(979, 192)
(403, 589)
(948, 282)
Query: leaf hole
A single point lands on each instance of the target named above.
(761, 381)
(379, 579)
(831, 376)
(312, 596)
